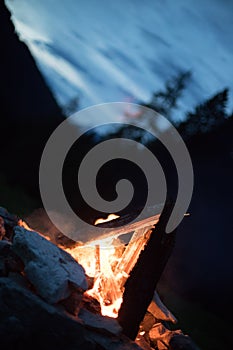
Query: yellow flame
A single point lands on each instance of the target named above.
(97, 258)
(109, 218)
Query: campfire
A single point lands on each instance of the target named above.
(110, 260)
(90, 284)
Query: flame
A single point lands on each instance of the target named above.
(24, 225)
(109, 261)
(109, 218)
(98, 259)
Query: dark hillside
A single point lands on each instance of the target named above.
(28, 110)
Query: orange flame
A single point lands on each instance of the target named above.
(109, 262)
(109, 218)
(98, 259)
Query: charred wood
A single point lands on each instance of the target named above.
(140, 286)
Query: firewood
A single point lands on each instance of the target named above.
(131, 253)
(159, 310)
(120, 226)
(97, 259)
(160, 336)
(140, 286)
(141, 341)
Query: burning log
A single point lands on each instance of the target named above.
(164, 339)
(122, 225)
(141, 284)
(133, 249)
(110, 261)
(161, 337)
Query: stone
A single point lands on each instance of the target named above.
(2, 228)
(142, 342)
(73, 303)
(159, 310)
(4, 249)
(160, 336)
(113, 343)
(7, 222)
(28, 322)
(147, 323)
(52, 271)
(99, 323)
(91, 304)
(9, 219)
(9, 261)
(182, 342)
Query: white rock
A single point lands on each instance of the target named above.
(50, 269)
(159, 310)
(99, 323)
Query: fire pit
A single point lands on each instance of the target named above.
(110, 259)
(97, 295)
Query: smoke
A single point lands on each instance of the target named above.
(39, 221)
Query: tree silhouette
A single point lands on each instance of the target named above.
(163, 101)
(206, 116)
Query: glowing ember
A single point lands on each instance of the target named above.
(109, 218)
(110, 262)
(99, 259)
(24, 225)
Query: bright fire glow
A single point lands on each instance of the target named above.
(99, 259)
(109, 218)
(109, 261)
(24, 225)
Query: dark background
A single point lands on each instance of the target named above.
(197, 283)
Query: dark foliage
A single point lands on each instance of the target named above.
(207, 116)
(164, 101)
